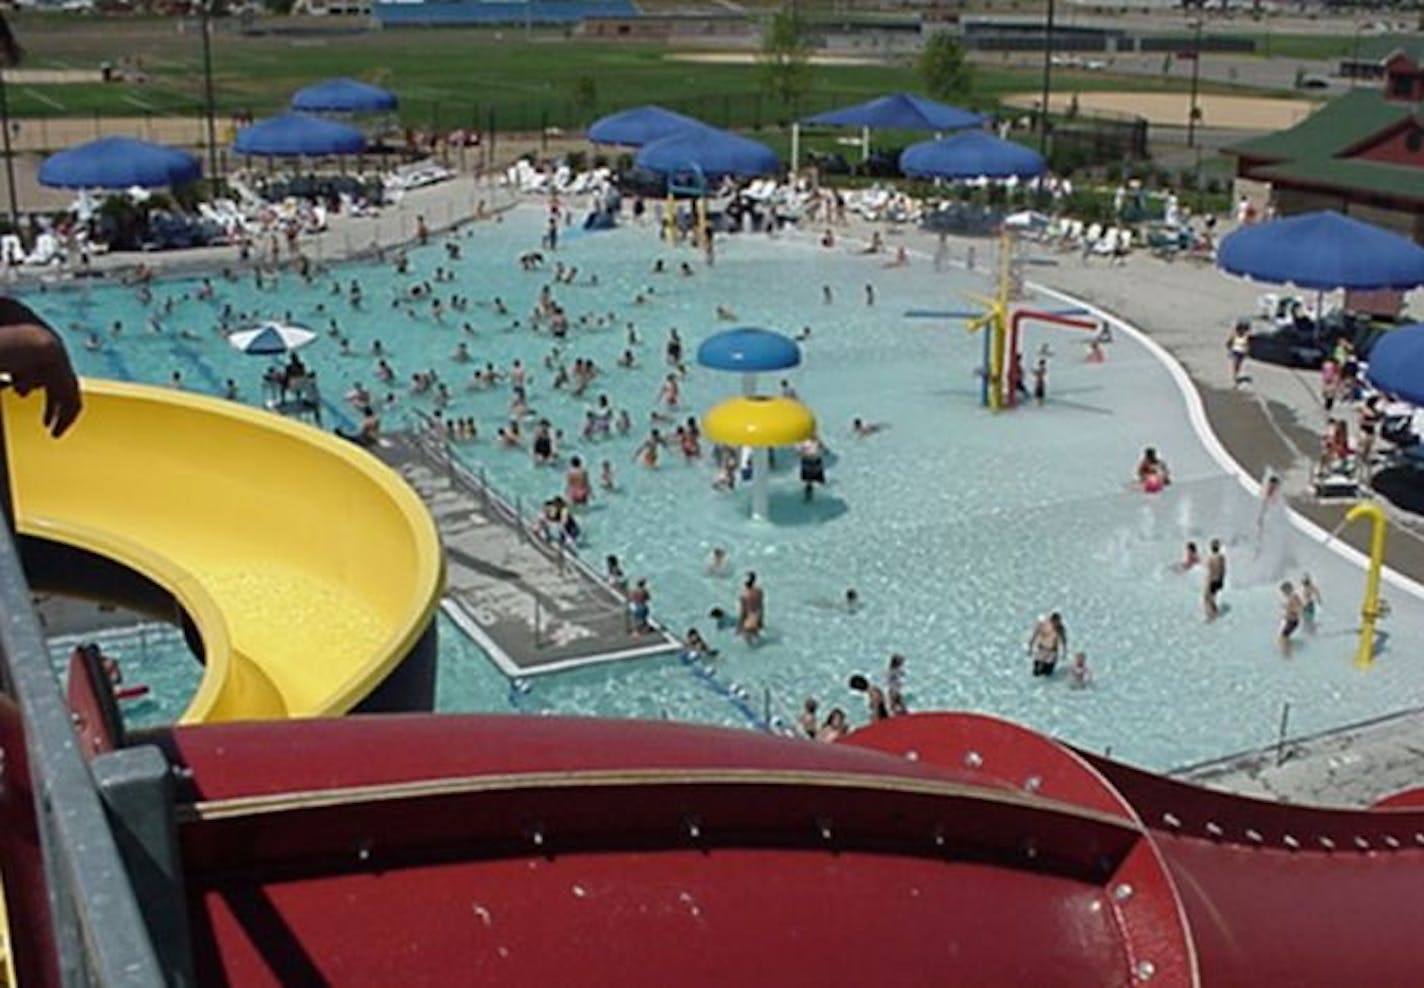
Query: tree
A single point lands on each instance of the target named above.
(943, 68)
(785, 59)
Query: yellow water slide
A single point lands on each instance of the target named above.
(309, 569)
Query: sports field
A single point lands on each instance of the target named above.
(445, 78)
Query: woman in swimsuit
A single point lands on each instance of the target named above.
(576, 484)
(639, 606)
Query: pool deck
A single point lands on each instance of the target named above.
(532, 607)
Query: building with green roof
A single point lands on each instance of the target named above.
(1362, 154)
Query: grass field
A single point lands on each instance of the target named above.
(447, 78)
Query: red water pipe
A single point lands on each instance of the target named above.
(1011, 372)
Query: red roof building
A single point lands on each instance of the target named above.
(1362, 154)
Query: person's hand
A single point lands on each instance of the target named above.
(34, 358)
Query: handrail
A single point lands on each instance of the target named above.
(100, 938)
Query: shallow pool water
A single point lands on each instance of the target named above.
(957, 527)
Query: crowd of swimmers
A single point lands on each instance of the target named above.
(881, 703)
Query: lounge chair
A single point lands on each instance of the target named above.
(1398, 430)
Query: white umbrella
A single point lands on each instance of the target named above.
(271, 338)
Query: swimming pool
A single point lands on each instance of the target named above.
(956, 527)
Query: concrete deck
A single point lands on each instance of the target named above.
(531, 606)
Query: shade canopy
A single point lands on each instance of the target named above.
(270, 338)
(748, 350)
(293, 134)
(973, 154)
(711, 151)
(343, 96)
(638, 126)
(900, 111)
(755, 421)
(118, 163)
(1324, 251)
(1396, 363)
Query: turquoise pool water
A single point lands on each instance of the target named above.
(956, 527)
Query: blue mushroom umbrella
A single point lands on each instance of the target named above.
(972, 154)
(295, 134)
(749, 351)
(900, 111)
(1324, 251)
(711, 151)
(343, 96)
(118, 163)
(1396, 363)
(638, 126)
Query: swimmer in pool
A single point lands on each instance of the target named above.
(717, 562)
(1215, 580)
(1310, 600)
(1046, 644)
(1291, 609)
(576, 483)
(862, 428)
(1190, 559)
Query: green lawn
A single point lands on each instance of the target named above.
(453, 77)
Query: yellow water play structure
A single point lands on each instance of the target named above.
(309, 571)
(994, 323)
(759, 423)
(1373, 607)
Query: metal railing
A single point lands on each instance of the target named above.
(99, 933)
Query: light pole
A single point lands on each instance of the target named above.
(204, 7)
(9, 57)
(1196, 74)
(1047, 76)
(9, 157)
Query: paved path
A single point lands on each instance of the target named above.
(533, 608)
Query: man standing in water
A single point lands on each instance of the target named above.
(751, 610)
(1291, 609)
(1215, 580)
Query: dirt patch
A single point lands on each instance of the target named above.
(1170, 109)
(52, 77)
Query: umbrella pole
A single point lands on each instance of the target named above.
(795, 147)
(749, 384)
(865, 144)
(761, 481)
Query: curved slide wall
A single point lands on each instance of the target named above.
(931, 849)
(310, 572)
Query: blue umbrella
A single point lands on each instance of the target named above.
(1396, 363)
(343, 96)
(748, 350)
(1324, 251)
(900, 111)
(710, 151)
(118, 163)
(294, 134)
(638, 126)
(972, 154)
